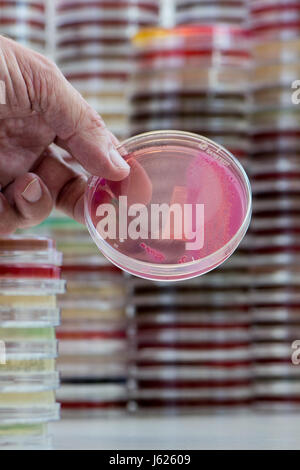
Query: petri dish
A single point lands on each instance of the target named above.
(30, 287)
(29, 272)
(28, 408)
(183, 210)
(28, 317)
(25, 437)
(24, 382)
(20, 250)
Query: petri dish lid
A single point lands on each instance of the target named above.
(217, 394)
(29, 250)
(92, 393)
(158, 223)
(21, 243)
(26, 382)
(28, 287)
(186, 3)
(34, 317)
(29, 271)
(30, 415)
(220, 36)
(79, 4)
(27, 437)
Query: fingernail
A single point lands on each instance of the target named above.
(33, 191)
(117, 160)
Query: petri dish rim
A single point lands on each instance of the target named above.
(171, 272)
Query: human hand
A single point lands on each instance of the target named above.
(42, 108)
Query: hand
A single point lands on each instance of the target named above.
(41, 108)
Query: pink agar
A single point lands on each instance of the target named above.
(175, 176)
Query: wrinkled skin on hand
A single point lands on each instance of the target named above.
(46, 126)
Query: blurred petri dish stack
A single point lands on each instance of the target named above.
(25, 22)
(191, 340)
(94, 51)
(271, 19)
(72, 239)
(231, 12)
(93, 360)
(192, 78)
(275, 173)
(191, 347)
(29, 284)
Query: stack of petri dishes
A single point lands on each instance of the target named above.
(192, 78)
(275, 172)
(93, 351)
(270, 19)
(93, 341)
(232, 12)
(94, 51)
(72, 239)
(191, 340)
(29, 283)
(191, 346)
(25, 22)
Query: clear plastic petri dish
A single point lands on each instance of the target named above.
(275, 296)
(197, 336)
(106, 16)
(28, 408)
(274, 142)
(92, 370)
(172, 175)
(20, 250)
(276, 185)
(280, 119)
(104, 290)
(230, 298)
(26, 350)
(26, 382)
(281, 164)
(193, 394)
(276, 370)
(276, 315)
(211, 14)
(233, 353)
(279, 221)
(195, 373)
(30, 287)
(262, 5)
(178, 103)
(274, 388)
(25, 437)
(28, 317)
(184, 317)
(70, 4)
(15, 271)
(92, 346)
(82, 393)
(268, 51)
(275, 333)
(271, 351)
(279, 14)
